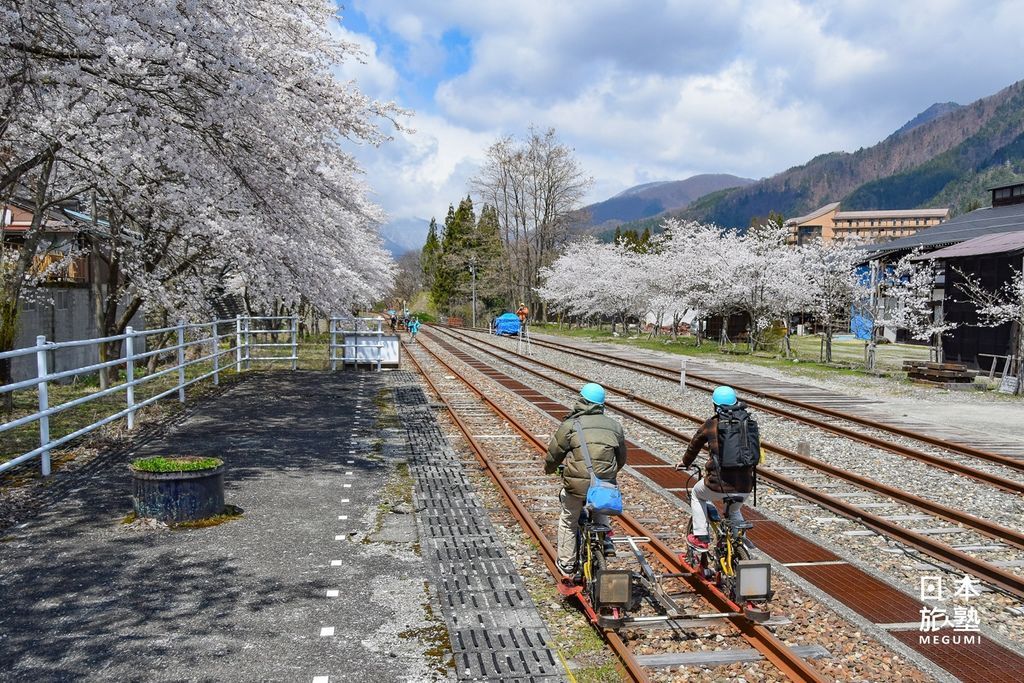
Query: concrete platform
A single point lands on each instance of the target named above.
(317, 581)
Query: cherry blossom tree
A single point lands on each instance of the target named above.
(834, 285)
(593, 279)
(909, 286)
(208, 140)
(759, 275)
(684, 281)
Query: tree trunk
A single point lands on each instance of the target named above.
(8, 334)
(828, 344)
(1019, 361)
(13, 279)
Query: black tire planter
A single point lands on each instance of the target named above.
(178, 496)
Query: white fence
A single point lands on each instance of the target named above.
(361, 340)
(249, 334)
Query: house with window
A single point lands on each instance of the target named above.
(61, 308)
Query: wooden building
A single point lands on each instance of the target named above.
(986, 244)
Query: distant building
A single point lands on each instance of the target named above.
(829, 223)
(984, 244)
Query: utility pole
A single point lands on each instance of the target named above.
(472, 270)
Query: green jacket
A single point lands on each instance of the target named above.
(605, 441)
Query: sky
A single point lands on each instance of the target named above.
(647, 90)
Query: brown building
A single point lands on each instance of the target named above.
(829, 223)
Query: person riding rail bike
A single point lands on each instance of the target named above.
(606, 445)
(734, 443)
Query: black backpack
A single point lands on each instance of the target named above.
(739, 439)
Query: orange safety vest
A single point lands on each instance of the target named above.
(522, 312)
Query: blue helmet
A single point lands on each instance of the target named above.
(593, 393)
(724, 396)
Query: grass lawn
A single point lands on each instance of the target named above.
(847, 355)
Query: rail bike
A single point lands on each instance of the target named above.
(623, 598)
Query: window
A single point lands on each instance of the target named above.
(1003, 193)
(1018, 191)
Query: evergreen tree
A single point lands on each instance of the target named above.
(441, 286)
(430, 254)
(487, 254)
(452, 276)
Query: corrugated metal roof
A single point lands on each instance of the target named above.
(996, 243)
(960, 229)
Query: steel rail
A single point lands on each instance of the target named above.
(952, 446)
(630, 666)
(775, 651)
(1008, 581)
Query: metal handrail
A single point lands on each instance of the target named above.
(200, 333)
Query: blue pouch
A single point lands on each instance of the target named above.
(602, 497)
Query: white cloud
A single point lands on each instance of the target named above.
(662, 90)
(374, 77)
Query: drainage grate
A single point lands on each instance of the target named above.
(496, 632)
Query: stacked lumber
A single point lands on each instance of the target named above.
(938, 373)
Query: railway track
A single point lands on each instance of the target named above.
(465, 405)
(762, 401)
(1008, 581)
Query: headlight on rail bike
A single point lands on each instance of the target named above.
(754, 579)
(614, 587)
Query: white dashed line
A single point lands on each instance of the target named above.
(344, 500)
(342, 516)
(335, 563)
(333, 593)
(321, 679)
(339, 537)
(348, 474)
(346, 486)
(326, 631)
(350, 462)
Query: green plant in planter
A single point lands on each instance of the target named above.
(160, 463)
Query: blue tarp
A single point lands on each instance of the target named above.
(506, 323)
(861, 326)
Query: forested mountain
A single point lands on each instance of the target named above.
(946, 156)
(651, 199)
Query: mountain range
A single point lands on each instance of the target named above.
(652, 199)
(948, 155)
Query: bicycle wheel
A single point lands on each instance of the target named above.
(597, 552)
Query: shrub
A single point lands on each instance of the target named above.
(161, 463)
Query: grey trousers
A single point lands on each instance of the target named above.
(568, 522)
(700, 494)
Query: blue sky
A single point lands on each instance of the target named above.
(659, 89)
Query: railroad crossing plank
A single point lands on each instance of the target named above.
(720, 657)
